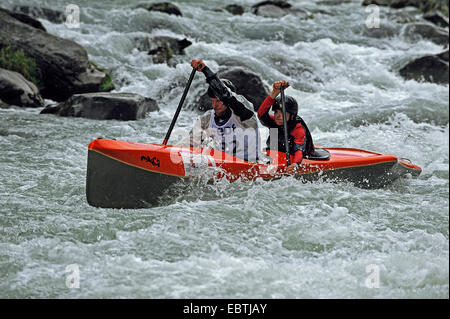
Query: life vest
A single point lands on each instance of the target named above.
(307, 147)
(233, 138)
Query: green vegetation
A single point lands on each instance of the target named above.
(107, 84)
(18, 61)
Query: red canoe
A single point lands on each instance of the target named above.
(124, 174)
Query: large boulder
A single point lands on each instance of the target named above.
(63, 64)
(51, 15)
(165, 7)
(278, 9)
(105, 106)
(432, 68)
(418, 31)
(247, 83)
(16, 90)
(25, 19)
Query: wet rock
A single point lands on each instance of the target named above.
(42, 13)
(16, 90)
(278, 9)
(333, 2)
(402, 17)
(247, 83)
(104, 106)
(443, 55)
(63, 64)
(418, 31)
(437, 18)
(25, 19)
(384, 31)
(394, 3)
(235, 9)
(162, 48)
(165, 7)
(432, 68)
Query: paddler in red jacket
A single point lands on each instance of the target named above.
(300, 140)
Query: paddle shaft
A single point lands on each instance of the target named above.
(286, 138)
(183, 97)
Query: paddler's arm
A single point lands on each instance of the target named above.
(264, 108)
(236, 103)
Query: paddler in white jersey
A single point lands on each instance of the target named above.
(231, 126)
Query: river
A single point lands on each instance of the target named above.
(279, 239)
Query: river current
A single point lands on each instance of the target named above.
(279, 239)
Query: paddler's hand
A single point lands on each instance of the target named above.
(276, 88)
(293, 168)
(199, 65)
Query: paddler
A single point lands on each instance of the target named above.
(300, 140)
(231, 126)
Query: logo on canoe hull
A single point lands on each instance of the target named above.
(152, 160)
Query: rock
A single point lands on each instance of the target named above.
(384, 31)
(42, 13)
(247, 83)
(332, 2)
(270, 11)
(278, 9)
(394, 3)
(402, 17)
(3, 105)
(235, 9)
(377, 2)
(16, 90)
(25, 19)
(162, 48)
(165, 7)
(278, 3)
(437, 18)
(418, 31)
(63, 64)
(104, 106)
(432, 68)
(443, 55)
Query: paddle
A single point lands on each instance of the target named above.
(286, 139)
(183, 97)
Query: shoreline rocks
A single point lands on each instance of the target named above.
(41, 13)
(16, 90)
(104, 106)
(63, 64)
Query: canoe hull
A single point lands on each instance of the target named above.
(135, 175)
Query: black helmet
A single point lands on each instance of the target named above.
(290, 102)
(227, 83)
